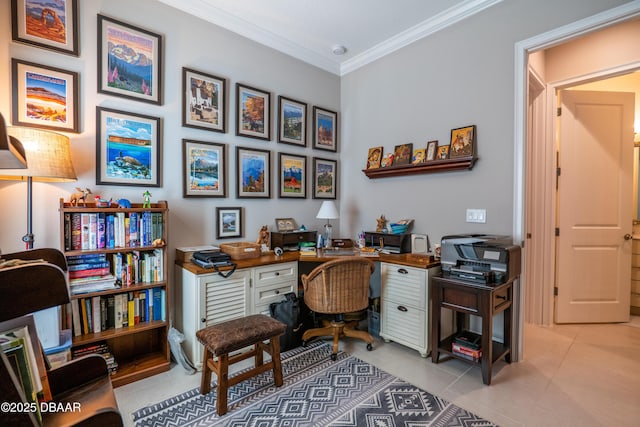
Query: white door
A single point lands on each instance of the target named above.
(594, 207)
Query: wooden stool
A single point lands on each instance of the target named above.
(221, 339)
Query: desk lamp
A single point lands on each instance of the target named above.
(48, 156)
(328, 211)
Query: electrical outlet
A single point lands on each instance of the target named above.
(477, 215)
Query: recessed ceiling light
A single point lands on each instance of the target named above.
(338, 49)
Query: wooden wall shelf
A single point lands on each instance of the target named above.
(430, 167)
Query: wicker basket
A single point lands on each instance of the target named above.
(241, 250)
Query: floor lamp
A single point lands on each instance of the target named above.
(48, 156)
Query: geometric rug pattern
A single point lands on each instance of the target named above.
(316, 392)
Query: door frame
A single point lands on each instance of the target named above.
(522, 208)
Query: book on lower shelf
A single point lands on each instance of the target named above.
(466, 352)
(100, 348)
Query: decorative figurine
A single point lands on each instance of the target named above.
(102, 203)
(124, 203)
(147, 199)
(80, 195)
(263, 238)
(382, 225)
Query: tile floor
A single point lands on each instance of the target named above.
(571, 375)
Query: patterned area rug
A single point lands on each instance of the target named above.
(316, 392)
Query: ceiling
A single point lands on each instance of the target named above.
(309, 29)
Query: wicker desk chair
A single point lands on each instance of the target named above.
(338, 287)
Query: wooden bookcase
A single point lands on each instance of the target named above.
(142, 349)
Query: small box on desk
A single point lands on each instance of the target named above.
(388, 242)
(290, 240)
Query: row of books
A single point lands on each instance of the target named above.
(100, 348)
(467, 345)
(103, 230)
(99, 313)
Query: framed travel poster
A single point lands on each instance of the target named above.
(253, 112)
(254, 173)
(46, 23)
(292, 176)
(44, 97)
(292, 123)
(128, 148)
(463, 142)
(129, 61)
(229, 223)
(325, 129)
(204, 104)
(205, 169)
(325, 174)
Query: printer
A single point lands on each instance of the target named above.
(480, 258)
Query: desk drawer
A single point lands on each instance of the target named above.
(275, 273)
(406, 325)
(501, 297)
(404, 285)
(460, 299)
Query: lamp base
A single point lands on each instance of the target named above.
(327, 236)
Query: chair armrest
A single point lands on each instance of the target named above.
(54, 256)
(77, 373)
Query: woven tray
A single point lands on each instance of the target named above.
(241, 250)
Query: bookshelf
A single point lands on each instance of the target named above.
(130, 316)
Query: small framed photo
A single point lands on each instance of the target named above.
(292, 176)
(419, 155)
(254, 173)
(205, 169)
(325, 129)
(402, 154)
(292, 121)
(325, 173)
(44, 97)
(48, 24)
(204, 102)
(135, 75)
(463, 142)
(443, 152)
(374, 156)
(253, 112)
(128, 148)
(431, 151)
(286, 224)
(229, 223)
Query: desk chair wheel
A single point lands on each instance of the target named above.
(304, 343)
(369, 347)
(334, 356)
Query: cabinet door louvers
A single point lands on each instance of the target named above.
(226, 299)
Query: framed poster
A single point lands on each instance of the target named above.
(292, 175)
(229, 223)
(463, 142)
(48, 24)
(204, 103)
(253, 112)
(253, 168)
(44, 97)
(129, 61)
(325, 173)
(128, 148)
(205, 169)
(325, 129)
(292, 122)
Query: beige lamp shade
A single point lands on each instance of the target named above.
(48, 156)
(11, 151)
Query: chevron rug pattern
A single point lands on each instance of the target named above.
(316, 392)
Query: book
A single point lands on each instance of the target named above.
(76, 231)
(465, 352)
(75, 314)
(97, 318)
(468, 339)
(157, 304)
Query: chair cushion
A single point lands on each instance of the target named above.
(238, 333)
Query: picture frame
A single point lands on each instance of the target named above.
(119, 77)
(253, 168)
(29, 27)
(286, 224)
(419, 156)
(292, 121)
(253, 112)
(442, 153)
(204, 169)
(229, 223)
(128, 148)
(325, 129)
(402, 154)
(432, 146)
(44, 97)
(325, 178)
(204, 102)
(374, 156)
(292, 176)
(463, 142)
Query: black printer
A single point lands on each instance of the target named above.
(481, 258)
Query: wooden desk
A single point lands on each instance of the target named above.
(481, 300)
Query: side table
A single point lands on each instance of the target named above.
(483, 300)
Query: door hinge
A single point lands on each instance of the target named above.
(555, 291)
(559, 112)
(558, 171)
(557, 231)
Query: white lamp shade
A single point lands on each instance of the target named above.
(328, 210)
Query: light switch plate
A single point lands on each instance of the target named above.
(477, 215)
